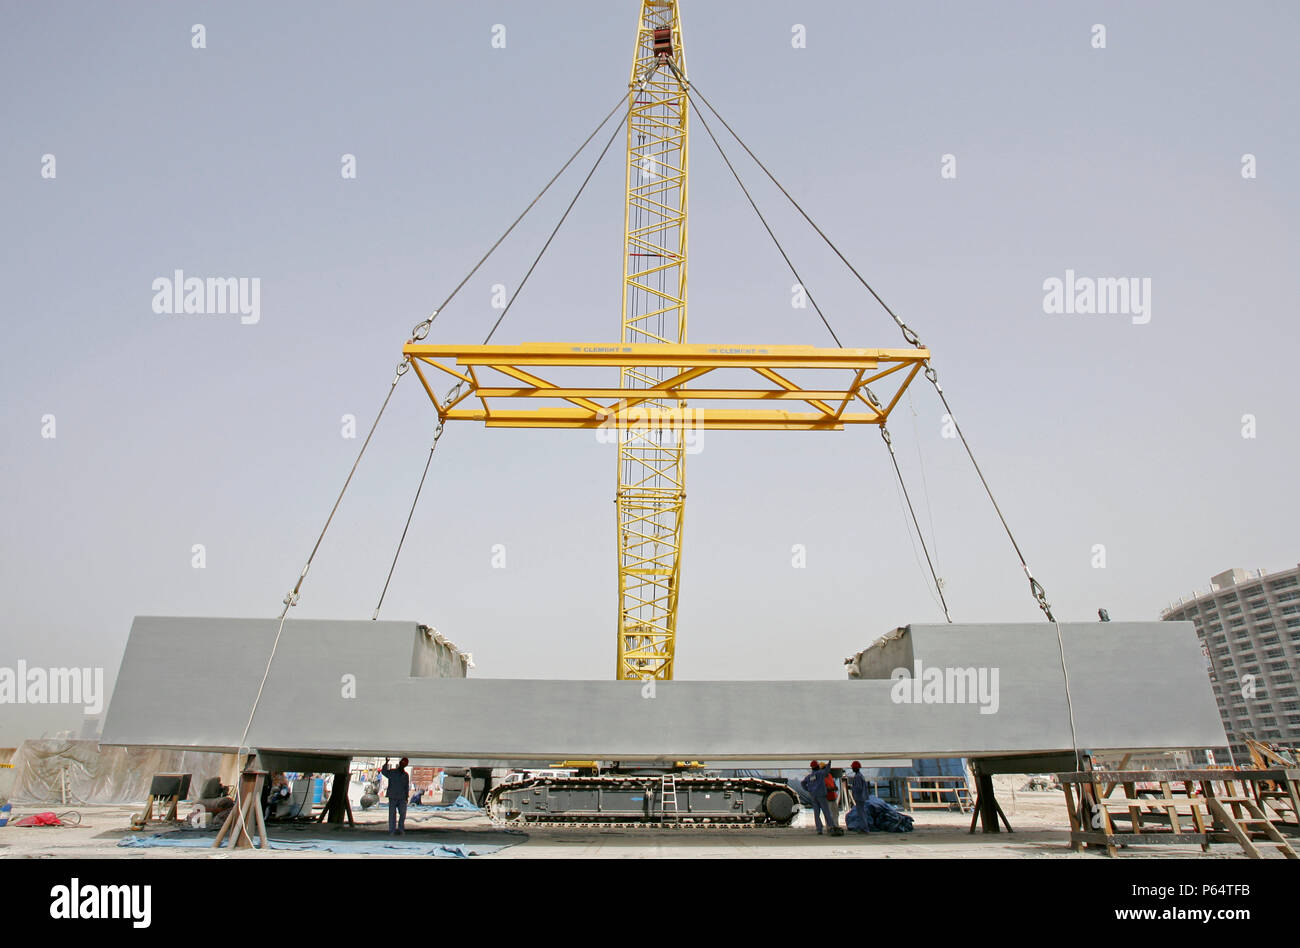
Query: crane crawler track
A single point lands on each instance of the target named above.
(643, 801)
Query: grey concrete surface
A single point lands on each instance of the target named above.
(1042, 832)
(190, 682)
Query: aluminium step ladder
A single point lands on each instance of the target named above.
(667, 797)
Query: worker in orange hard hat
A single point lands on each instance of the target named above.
(820, 786)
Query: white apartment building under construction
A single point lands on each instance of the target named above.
(1249, 626)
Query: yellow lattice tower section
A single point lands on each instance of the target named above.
(652, 459)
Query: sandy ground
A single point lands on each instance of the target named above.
(1039, 820)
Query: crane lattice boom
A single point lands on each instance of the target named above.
(652, 458)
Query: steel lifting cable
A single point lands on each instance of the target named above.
(555, 230)
(451, 395)
(422, 328)
(1035, 588)
(908, 334)
(763, 220)
(920, 463)
(889, 443)
(911, 541)
(1069, 701)
(411, 513)
(291, 599)
(938, 585)
(420, 331)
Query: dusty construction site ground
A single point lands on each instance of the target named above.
(1041, 832)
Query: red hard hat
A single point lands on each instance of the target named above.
(855, 765)
(813, 764)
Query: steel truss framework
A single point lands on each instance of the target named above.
(854, 386)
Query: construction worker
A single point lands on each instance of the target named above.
(858, 787)
(814, 784)
(399, 795)
(833, 801)
(276, 791)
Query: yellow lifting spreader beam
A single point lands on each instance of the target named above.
(666, 387)
(496, 380)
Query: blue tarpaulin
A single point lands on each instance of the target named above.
(881, 818)
(458, 845)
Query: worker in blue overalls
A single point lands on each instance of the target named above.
(858, 786)
(814, 784)
(399, 795)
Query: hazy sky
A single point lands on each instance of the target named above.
(175, 430)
